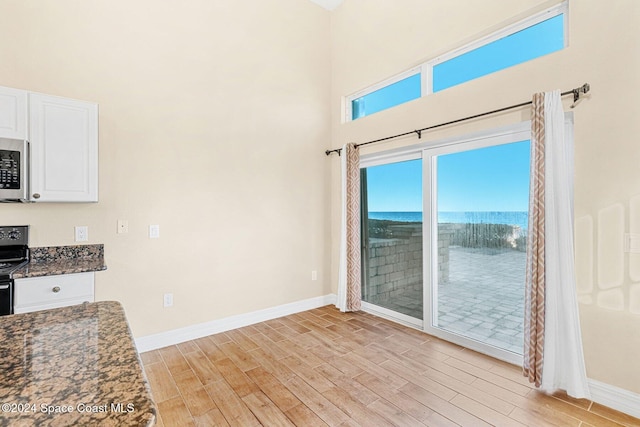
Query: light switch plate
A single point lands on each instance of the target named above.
(168, 300)
(82, 233)
(154, 231)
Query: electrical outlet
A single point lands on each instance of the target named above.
(314, 275)
(123, 226)
(168, 300)
(82, 233)
(154, 231)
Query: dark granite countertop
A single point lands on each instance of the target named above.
(52, 260)
(72, 366)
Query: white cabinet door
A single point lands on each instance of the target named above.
(13, 113)
(64, 149)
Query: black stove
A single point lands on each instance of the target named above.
(14, 253)
(7, 268)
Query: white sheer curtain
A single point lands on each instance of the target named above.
(349, 280)
(563, 360)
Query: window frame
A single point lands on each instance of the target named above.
(559, 9)
(381, 85)
(425, 69)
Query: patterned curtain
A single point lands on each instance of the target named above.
(349, 283)
(535, 278)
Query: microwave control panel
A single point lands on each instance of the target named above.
(10, 169)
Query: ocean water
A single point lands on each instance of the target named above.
(520, 219)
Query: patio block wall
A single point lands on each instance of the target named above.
(395, 262)
(395, 265)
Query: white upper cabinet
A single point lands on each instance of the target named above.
(64, 149)
(13, 113)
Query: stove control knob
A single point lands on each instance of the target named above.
(1, 235)
(14, 235)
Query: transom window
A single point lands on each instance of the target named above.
(405, 90)
(533, 37)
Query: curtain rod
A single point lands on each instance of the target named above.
(576, 96)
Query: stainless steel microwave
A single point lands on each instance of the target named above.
(14, 170)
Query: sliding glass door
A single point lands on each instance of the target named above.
(479, 194)
(444, 232)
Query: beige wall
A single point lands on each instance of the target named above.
(372, 40)
(214, 116)
(213, 121)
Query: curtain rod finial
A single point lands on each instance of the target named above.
(577, 93)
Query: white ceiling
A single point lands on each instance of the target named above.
(328, 4)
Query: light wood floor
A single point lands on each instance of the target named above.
(323, 367)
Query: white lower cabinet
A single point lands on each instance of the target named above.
(42, 293)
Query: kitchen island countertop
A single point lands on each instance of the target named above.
(69, 366)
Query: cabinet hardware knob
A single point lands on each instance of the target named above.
(36, 195)
(56, 289)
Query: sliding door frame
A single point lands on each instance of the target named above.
(430, 230)
(418, 151)
(379, 160)
(426, 150)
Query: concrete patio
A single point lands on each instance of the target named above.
(483, 298)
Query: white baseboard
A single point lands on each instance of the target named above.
(615, 398)
(176, 336)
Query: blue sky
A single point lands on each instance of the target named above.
(488, 179)
(533, 42)
(395, 94)
(396, 187)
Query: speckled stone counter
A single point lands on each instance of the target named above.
(52, 260)
(72, 366)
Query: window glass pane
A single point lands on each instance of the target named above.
(482, 221)
(389, 96)
(532, 42)
(391, 206)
